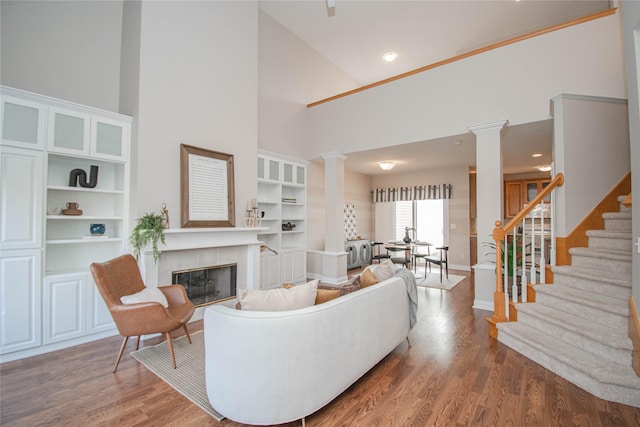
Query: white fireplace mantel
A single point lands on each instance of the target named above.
(195, 238)
(177, 239)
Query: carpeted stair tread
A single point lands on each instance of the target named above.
(617, 306)
(610, 239)
(593, 330)
(612, 278)
(602, 254)
(617, 215)
(609, 234)
(602, 370)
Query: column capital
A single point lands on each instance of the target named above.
(489, 127)
(334, 155)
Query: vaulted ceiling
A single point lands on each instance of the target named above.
(354, 34)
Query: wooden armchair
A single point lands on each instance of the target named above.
(121, 276)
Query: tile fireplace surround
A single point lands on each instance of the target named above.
(188, 248)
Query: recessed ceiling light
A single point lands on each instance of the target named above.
(390, 56)
(536, 155)
(544, 168)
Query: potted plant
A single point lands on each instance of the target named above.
(149, 230)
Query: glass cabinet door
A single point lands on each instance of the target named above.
(260, 167)
(300, 175)
(287, 173)
(23, 123)
(68, 132)
(108, 139)
(274, 170)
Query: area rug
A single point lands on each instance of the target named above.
(433, 281)
(189, 377)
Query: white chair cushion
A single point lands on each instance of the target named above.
(146, 295)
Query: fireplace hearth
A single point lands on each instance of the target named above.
(208, 285)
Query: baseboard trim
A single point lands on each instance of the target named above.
(634, 335)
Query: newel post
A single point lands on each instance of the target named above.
(499, 304)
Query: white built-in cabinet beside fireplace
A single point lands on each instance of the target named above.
(282, 196)
(47, 296)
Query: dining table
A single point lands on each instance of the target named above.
(409, 248)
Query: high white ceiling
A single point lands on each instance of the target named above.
(355, 33)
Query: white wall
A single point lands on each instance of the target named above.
(597, 129)
(291, 76)
(68, 50)
(458, 206)
(514, 82)
(198, 86)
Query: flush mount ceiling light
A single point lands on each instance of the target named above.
(390, 56)
(386, 166)
(544, 168)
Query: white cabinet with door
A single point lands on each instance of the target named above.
(269, 271)
(73, 308)
(20, 300)
(98, 316)
(293, 266)
(64, 307)
(21, 173)
(282, 194)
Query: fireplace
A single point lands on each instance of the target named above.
(196, 248)
(208, 285)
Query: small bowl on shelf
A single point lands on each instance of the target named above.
(97, 229)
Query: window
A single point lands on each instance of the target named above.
(427, 217)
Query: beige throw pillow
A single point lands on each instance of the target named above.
(324, 295)
(367, 278)
(146, 295)
(279, 299)
(385, 270)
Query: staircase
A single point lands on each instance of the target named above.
(577, 328)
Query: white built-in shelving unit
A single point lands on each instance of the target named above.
(282, 196)
(49, 300)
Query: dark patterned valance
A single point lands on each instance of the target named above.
(418, 192)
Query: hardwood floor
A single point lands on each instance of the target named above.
(453, 375)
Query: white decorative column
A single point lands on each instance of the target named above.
(489, 184)
(334, 258)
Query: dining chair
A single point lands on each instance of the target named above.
(415, 256)
(399, 255)
(440, 258)
(377, 252)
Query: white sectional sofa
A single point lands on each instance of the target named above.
(276, 367)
